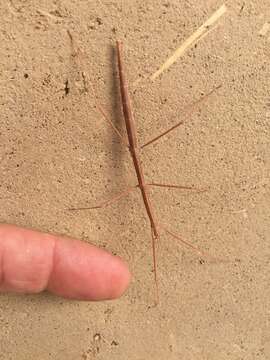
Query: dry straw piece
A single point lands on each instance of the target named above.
(198, 35)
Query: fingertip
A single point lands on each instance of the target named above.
(33, 261)
(84, 272)
(120, 277)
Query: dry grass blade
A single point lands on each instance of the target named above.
(194, 38)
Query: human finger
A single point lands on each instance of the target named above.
(31, 261)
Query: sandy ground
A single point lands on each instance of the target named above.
(57, 152)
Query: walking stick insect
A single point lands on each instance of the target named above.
(132, 145)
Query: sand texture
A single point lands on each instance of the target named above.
(57, 151)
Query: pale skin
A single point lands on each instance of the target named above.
(32, 262)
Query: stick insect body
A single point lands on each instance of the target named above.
(134, 150)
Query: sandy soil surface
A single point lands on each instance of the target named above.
(57, 152)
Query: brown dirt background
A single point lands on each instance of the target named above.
(57, 152)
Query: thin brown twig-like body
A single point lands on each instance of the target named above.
(134, 151)
(135, 154)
